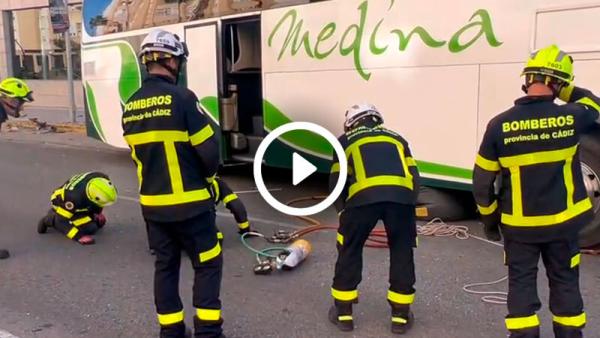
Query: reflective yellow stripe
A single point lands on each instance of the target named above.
(486, 164)
(220, 235)
(345, 296)
(522, 322)
(208, 314)
(589, 102)
(340, 238)
(210, 254)
(139, 166)
(568, 177)
(215, 185)
(411, 162)
(244, 225)
(488, 210)
(173, 167)
(538, 157)
(374, 181)
(575, 260)
(229, 198)
(344, 318)
(335, 168)
(72, 232)
(575, 321)
(399, 320)
(174, 199)
(201, 136)
(170, 318)
(58, 192)
(211, 179)
(157, 136)
(399, 298)
(81, 221)
(517, 193)
(63, 212)
(532, 221)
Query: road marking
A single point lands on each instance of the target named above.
(5, 334)
(229, 215)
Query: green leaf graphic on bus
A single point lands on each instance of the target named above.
(350, 41)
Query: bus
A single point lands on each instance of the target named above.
(438, 70)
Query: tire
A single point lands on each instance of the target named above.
(449, 205)
(590, 162)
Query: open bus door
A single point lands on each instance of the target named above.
(241, 85)
(202, 75)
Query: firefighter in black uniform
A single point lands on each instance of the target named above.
(382, 185)
(177, 156)
(541, 203)
(13, 95)
(224, 194)
(77, 207)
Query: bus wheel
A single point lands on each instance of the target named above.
(590, 166)
(449, 205)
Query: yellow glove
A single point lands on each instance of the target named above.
(565, 92)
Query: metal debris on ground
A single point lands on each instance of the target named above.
(43, 127)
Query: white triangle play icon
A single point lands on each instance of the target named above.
(301, 169)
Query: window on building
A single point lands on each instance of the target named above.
(39, 53)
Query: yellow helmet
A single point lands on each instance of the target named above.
(549, 63)
(16, 88)
(101, 192)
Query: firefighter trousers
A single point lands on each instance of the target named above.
(198, 238)
(67, 227)
(561, 259)
(356, 224)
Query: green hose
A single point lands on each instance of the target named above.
(260, 253)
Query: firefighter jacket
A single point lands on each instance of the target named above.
(534, 150)
(70, 201)
(174, 148)
(232, 202)
(380, 168)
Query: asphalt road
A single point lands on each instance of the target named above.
(54, 288)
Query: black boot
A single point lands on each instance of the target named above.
(46, 222)
(4, 254)
(174, 331)
(402, 318)
(208, 329)
(561, 331)
(340, 315)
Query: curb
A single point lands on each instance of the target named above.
(77, 128)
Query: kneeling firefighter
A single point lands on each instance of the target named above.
(543, 202)
(382, 185)
(14, 93)
(77, 207)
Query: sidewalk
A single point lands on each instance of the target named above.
(59, 118)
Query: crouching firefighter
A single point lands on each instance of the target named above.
(224, 194)
(14, 93)
(177, 156)
(382, 185)
(543, 203)
(77, 207)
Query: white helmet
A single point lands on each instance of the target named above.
(160, 44)
(359, 111)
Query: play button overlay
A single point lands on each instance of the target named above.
(301, 167)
